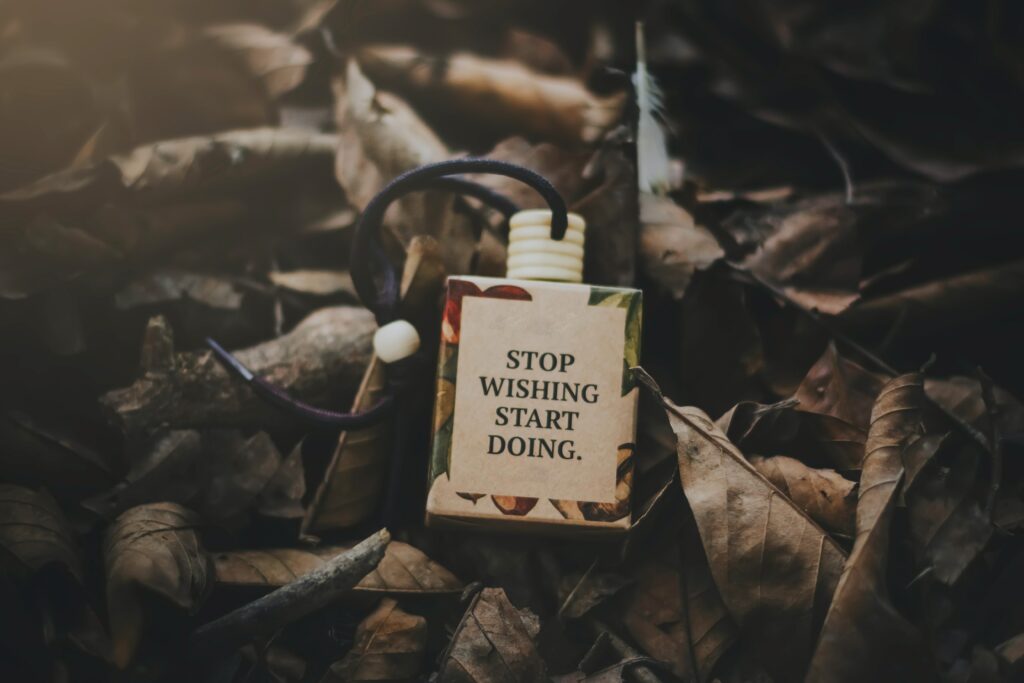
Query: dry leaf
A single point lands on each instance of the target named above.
(672, 245)
(404, 569)
(675, 612)
(493, 642)
(317, 282)
(774, 567)
(389, 646)
(153, 548)
(500, 94)
(839, 387)
(864, 636)
(33, 530)
(826, 496)
(273, 58)
(166, 285)
(283, 494)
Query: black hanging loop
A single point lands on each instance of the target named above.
(367, 247)
(375, 277)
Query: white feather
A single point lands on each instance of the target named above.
(653, 165)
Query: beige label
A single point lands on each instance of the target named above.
(538, 405)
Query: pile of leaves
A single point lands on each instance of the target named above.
(828, 474)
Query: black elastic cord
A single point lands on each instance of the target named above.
(373, 274)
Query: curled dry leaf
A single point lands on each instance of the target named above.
(404, 569)
(316, 282)
(314, 362)
(672, 245)
(502, 94)
(826, 496)
(390, 645)
(33, 530)
(774, 567)
(838, 387)
(153, 548)
(493, 642)
(864, 637)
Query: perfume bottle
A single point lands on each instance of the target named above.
(535, 409)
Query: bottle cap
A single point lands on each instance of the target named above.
(533, 255)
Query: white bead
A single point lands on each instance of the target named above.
(395, 341)
(533, 255)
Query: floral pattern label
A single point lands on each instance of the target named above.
(536, 408)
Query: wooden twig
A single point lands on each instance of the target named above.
(290, 602)
(325, 354)
(988, 395)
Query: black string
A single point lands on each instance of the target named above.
(377, 282)
(375, 277)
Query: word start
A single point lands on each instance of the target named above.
(556, 419)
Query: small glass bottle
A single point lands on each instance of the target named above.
(535, 414)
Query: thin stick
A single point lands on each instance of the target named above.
(291, 601)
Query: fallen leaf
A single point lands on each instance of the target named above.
(864, 637)
(279, 63)
(672, 245)
(674, 610)
(493, 642)
(283, 494)
(774, 567)
(390, 645)
(33, 530)
(404, 569)
(839, 387)
(316, 282)
(500, 94)
(167, 285)
(236, 471)
(826, 496)
(583, 592)
(948, 528)
(154, 548)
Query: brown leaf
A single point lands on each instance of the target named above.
(581, 593)
(167, 285)
(273, 58)
(316, 282)
(283, 494)
(500, 94)
(34, 531)
(389, 646)
(354, 479)
(35, 455)
(864, 637)
(774, 567)
(675, 612)
(153, 548)
(493, 642)
(237, 470)
(672, 245)
(827, 497)
(404, 569)
(948, 528)
(611, 212)
(839, 387)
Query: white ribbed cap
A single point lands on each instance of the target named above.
(533, 255)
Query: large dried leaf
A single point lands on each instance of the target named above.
(404, 569)
(33, 530)
(499, 94)
(675, 612)
(826, 496)
(153, 548)
(864, 636)
(774, 567)
(493, 642)
(390, 645)
(672, 245)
